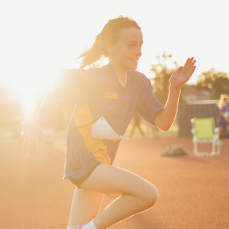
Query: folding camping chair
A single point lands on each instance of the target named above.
(204, 131)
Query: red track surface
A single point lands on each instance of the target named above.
(193, 192)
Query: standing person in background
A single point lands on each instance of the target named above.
(148, 128)
(151, 128)
(155, 131)
(223, 120)
(113, 92)
(136, 123)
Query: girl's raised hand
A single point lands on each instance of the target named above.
(181, 76)
(32, 133)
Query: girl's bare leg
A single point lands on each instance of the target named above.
(136, 194)
(85, 206)
(220, 130)
(228, 129)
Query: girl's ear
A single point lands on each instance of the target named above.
(109, 48)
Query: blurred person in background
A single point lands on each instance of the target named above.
(113, 92)
(136, 123)
(151, 128)
(223, 120)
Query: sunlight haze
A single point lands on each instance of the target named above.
(41, 37)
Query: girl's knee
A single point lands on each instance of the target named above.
(149, 196)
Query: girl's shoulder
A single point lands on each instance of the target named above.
(72, 77)
(98, 73)
(140, 78)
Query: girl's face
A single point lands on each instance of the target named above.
(126, 52)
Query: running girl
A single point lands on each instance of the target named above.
(114, 93)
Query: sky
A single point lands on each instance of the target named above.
(40, 37)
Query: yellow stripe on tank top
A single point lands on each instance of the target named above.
(83, 120)
(110, 95)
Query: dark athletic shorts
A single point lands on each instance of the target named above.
(78, 182)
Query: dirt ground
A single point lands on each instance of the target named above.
(193, 191)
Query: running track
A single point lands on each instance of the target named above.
(193, 192)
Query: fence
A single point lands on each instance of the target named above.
(198, 109)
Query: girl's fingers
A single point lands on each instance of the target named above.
(192, 64)
(179, 69)
(193, 69)
(25, 146)
(34, 148)
(186, 63)
(31, 149)
(21, 140)
(189, 63)
(30, 140)
(39, 137)
(30, 144)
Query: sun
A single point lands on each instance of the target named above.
(28, 101)
(27, 91)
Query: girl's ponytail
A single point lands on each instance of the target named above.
(92, 54)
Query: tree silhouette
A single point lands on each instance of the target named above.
(162, 76)
(216, 82)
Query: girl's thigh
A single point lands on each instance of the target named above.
(86, 200)
(85, 206)
(112, 180)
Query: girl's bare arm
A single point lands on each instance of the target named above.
(33, 116)
(165, 118)
(32, 131)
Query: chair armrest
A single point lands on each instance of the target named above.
(193, 130)
(216, 130)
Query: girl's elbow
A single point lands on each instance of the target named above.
(164, 127)
(167, 129)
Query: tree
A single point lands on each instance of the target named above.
(162, 76)
(216, 82)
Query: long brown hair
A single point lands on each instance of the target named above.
(109, 33)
